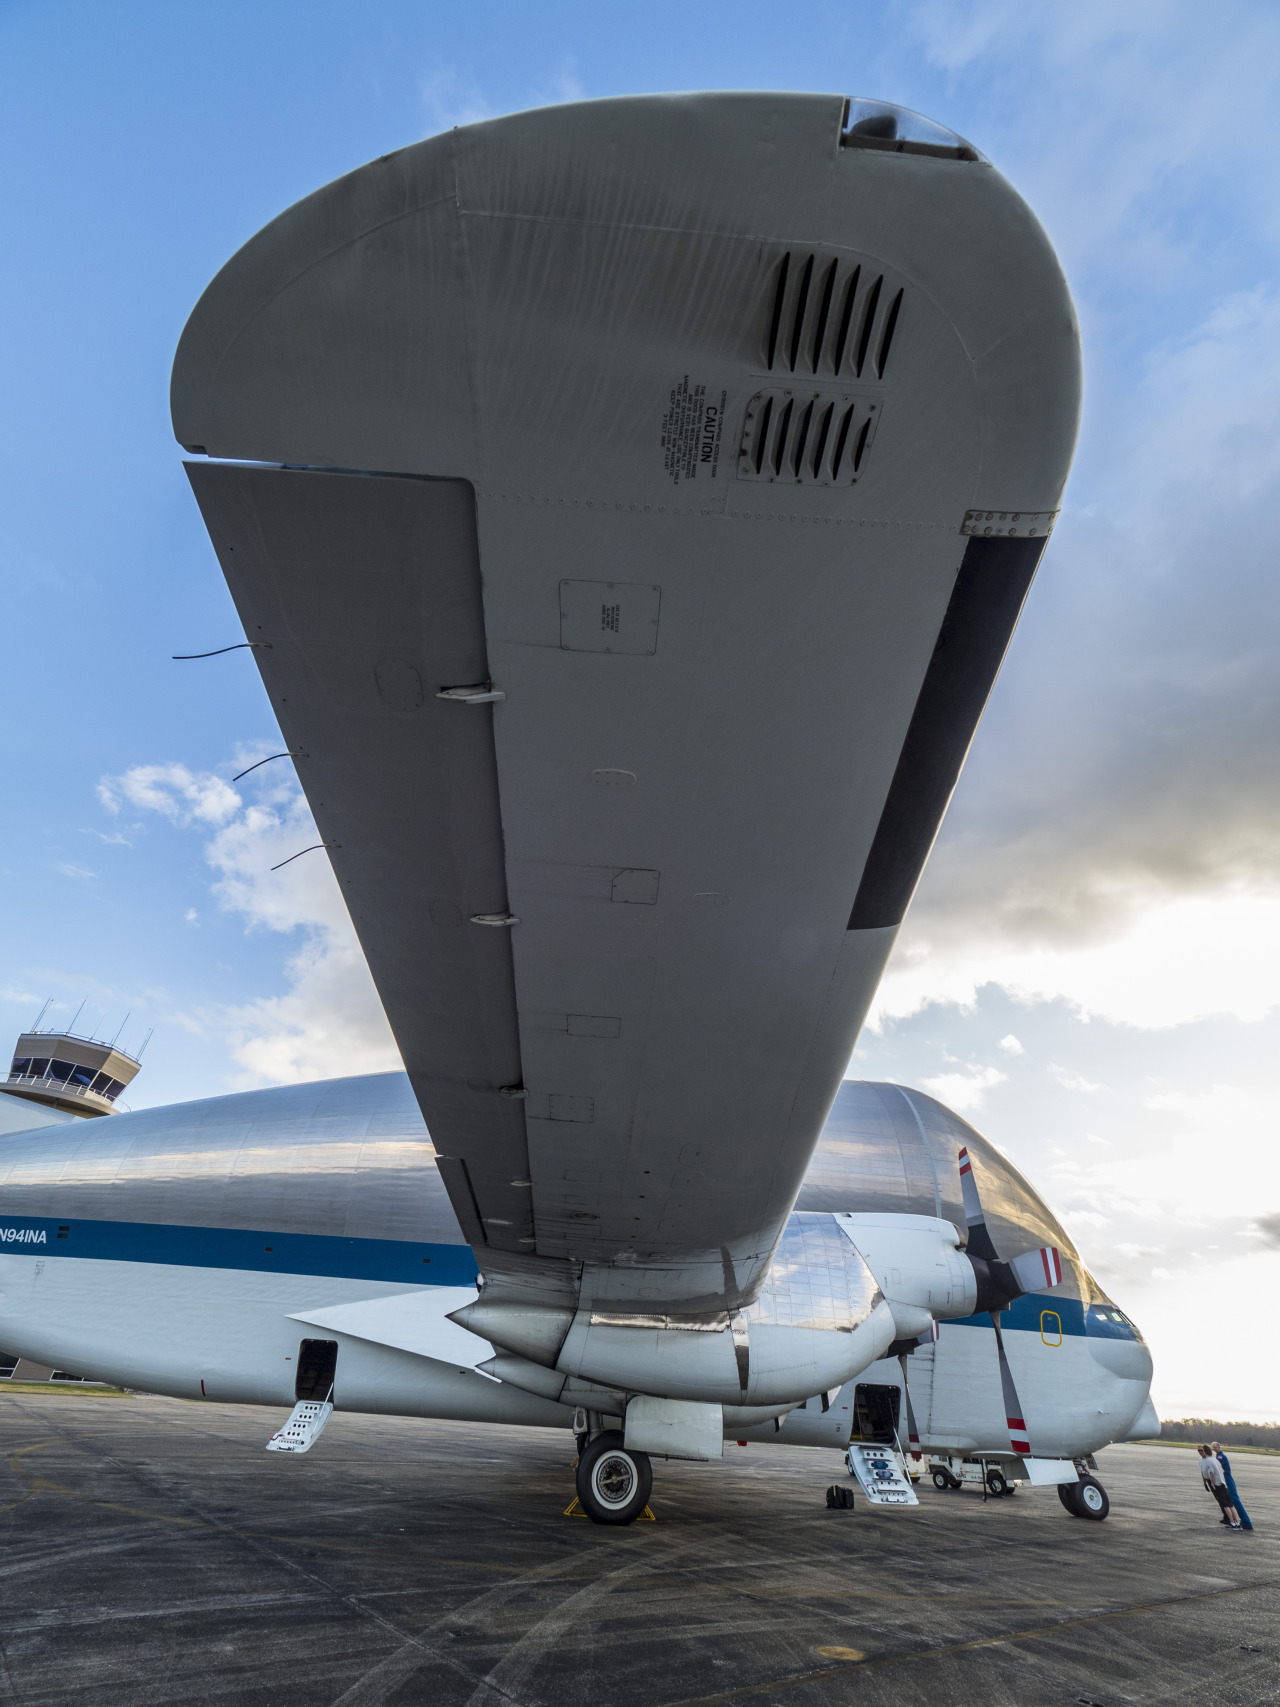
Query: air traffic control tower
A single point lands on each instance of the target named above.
(55, 1078)
(74, 1075)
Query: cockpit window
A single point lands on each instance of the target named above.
(1104, 1321)
(897, 130)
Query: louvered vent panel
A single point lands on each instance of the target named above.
(798, 436)
(828, 316)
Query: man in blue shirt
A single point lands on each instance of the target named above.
(1222, 1458)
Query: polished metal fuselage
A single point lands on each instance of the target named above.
(188, 1249)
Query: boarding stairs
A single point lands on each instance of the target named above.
(881, 1472)
(305, 1426)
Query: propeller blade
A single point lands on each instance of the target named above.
(1018, 1433)
(979, 1242)
(913, 1433)
(1037, 1269)
(1000, 1281)
(1026, 1273)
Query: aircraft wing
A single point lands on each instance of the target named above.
(632, 504)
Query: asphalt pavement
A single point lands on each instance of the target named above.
(154, 1553)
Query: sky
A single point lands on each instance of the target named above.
(1090, 972)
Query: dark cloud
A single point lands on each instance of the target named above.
(1129, 754)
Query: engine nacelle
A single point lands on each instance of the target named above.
(735, 1364)
(919, 1267)
(727, 1360)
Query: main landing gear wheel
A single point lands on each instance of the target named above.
(1085, 1498)
(997, 1484)
(614, 1483)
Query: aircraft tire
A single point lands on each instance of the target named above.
(997, 1484)
(1087, 1498)
(613, 1482)
(1064, 1493)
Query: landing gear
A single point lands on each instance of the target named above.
(1085, 1498)
(613, 1481)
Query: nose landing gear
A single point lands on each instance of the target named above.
(1085, 1498)
(613, 1480)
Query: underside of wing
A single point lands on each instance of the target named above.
(631, 504)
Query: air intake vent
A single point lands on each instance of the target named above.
(821, 437)
(827, 316)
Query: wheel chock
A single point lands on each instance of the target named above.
(575, 1510)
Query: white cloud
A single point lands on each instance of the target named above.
(80, 871)
(330, 1021)
(1191, 957)
(1070, 1081)
(965, 1090)
(181, 795)
(1225, 1376)
(563, 85)
(1011, 1045)
(448, 99)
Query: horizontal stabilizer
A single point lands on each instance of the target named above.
(409, 1321)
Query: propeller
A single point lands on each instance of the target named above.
(913, 1433)
(999, 1284)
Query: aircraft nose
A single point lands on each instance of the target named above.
(1129, 1359)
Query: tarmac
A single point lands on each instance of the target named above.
(154, 1553)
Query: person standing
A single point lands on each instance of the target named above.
(1216, 1482)
(1230, 1480)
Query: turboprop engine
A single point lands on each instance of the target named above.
(819, 1320)
(927, 1275)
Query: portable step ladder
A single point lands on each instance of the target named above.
(881, 1472)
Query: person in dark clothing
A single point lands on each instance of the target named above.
(1225, 1462)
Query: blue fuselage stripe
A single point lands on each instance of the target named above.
(1035, 1313)
(1025, 1312)
(397, 1260)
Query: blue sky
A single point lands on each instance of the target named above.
(1092, 968)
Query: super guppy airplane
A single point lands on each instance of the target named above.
(629, 506)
